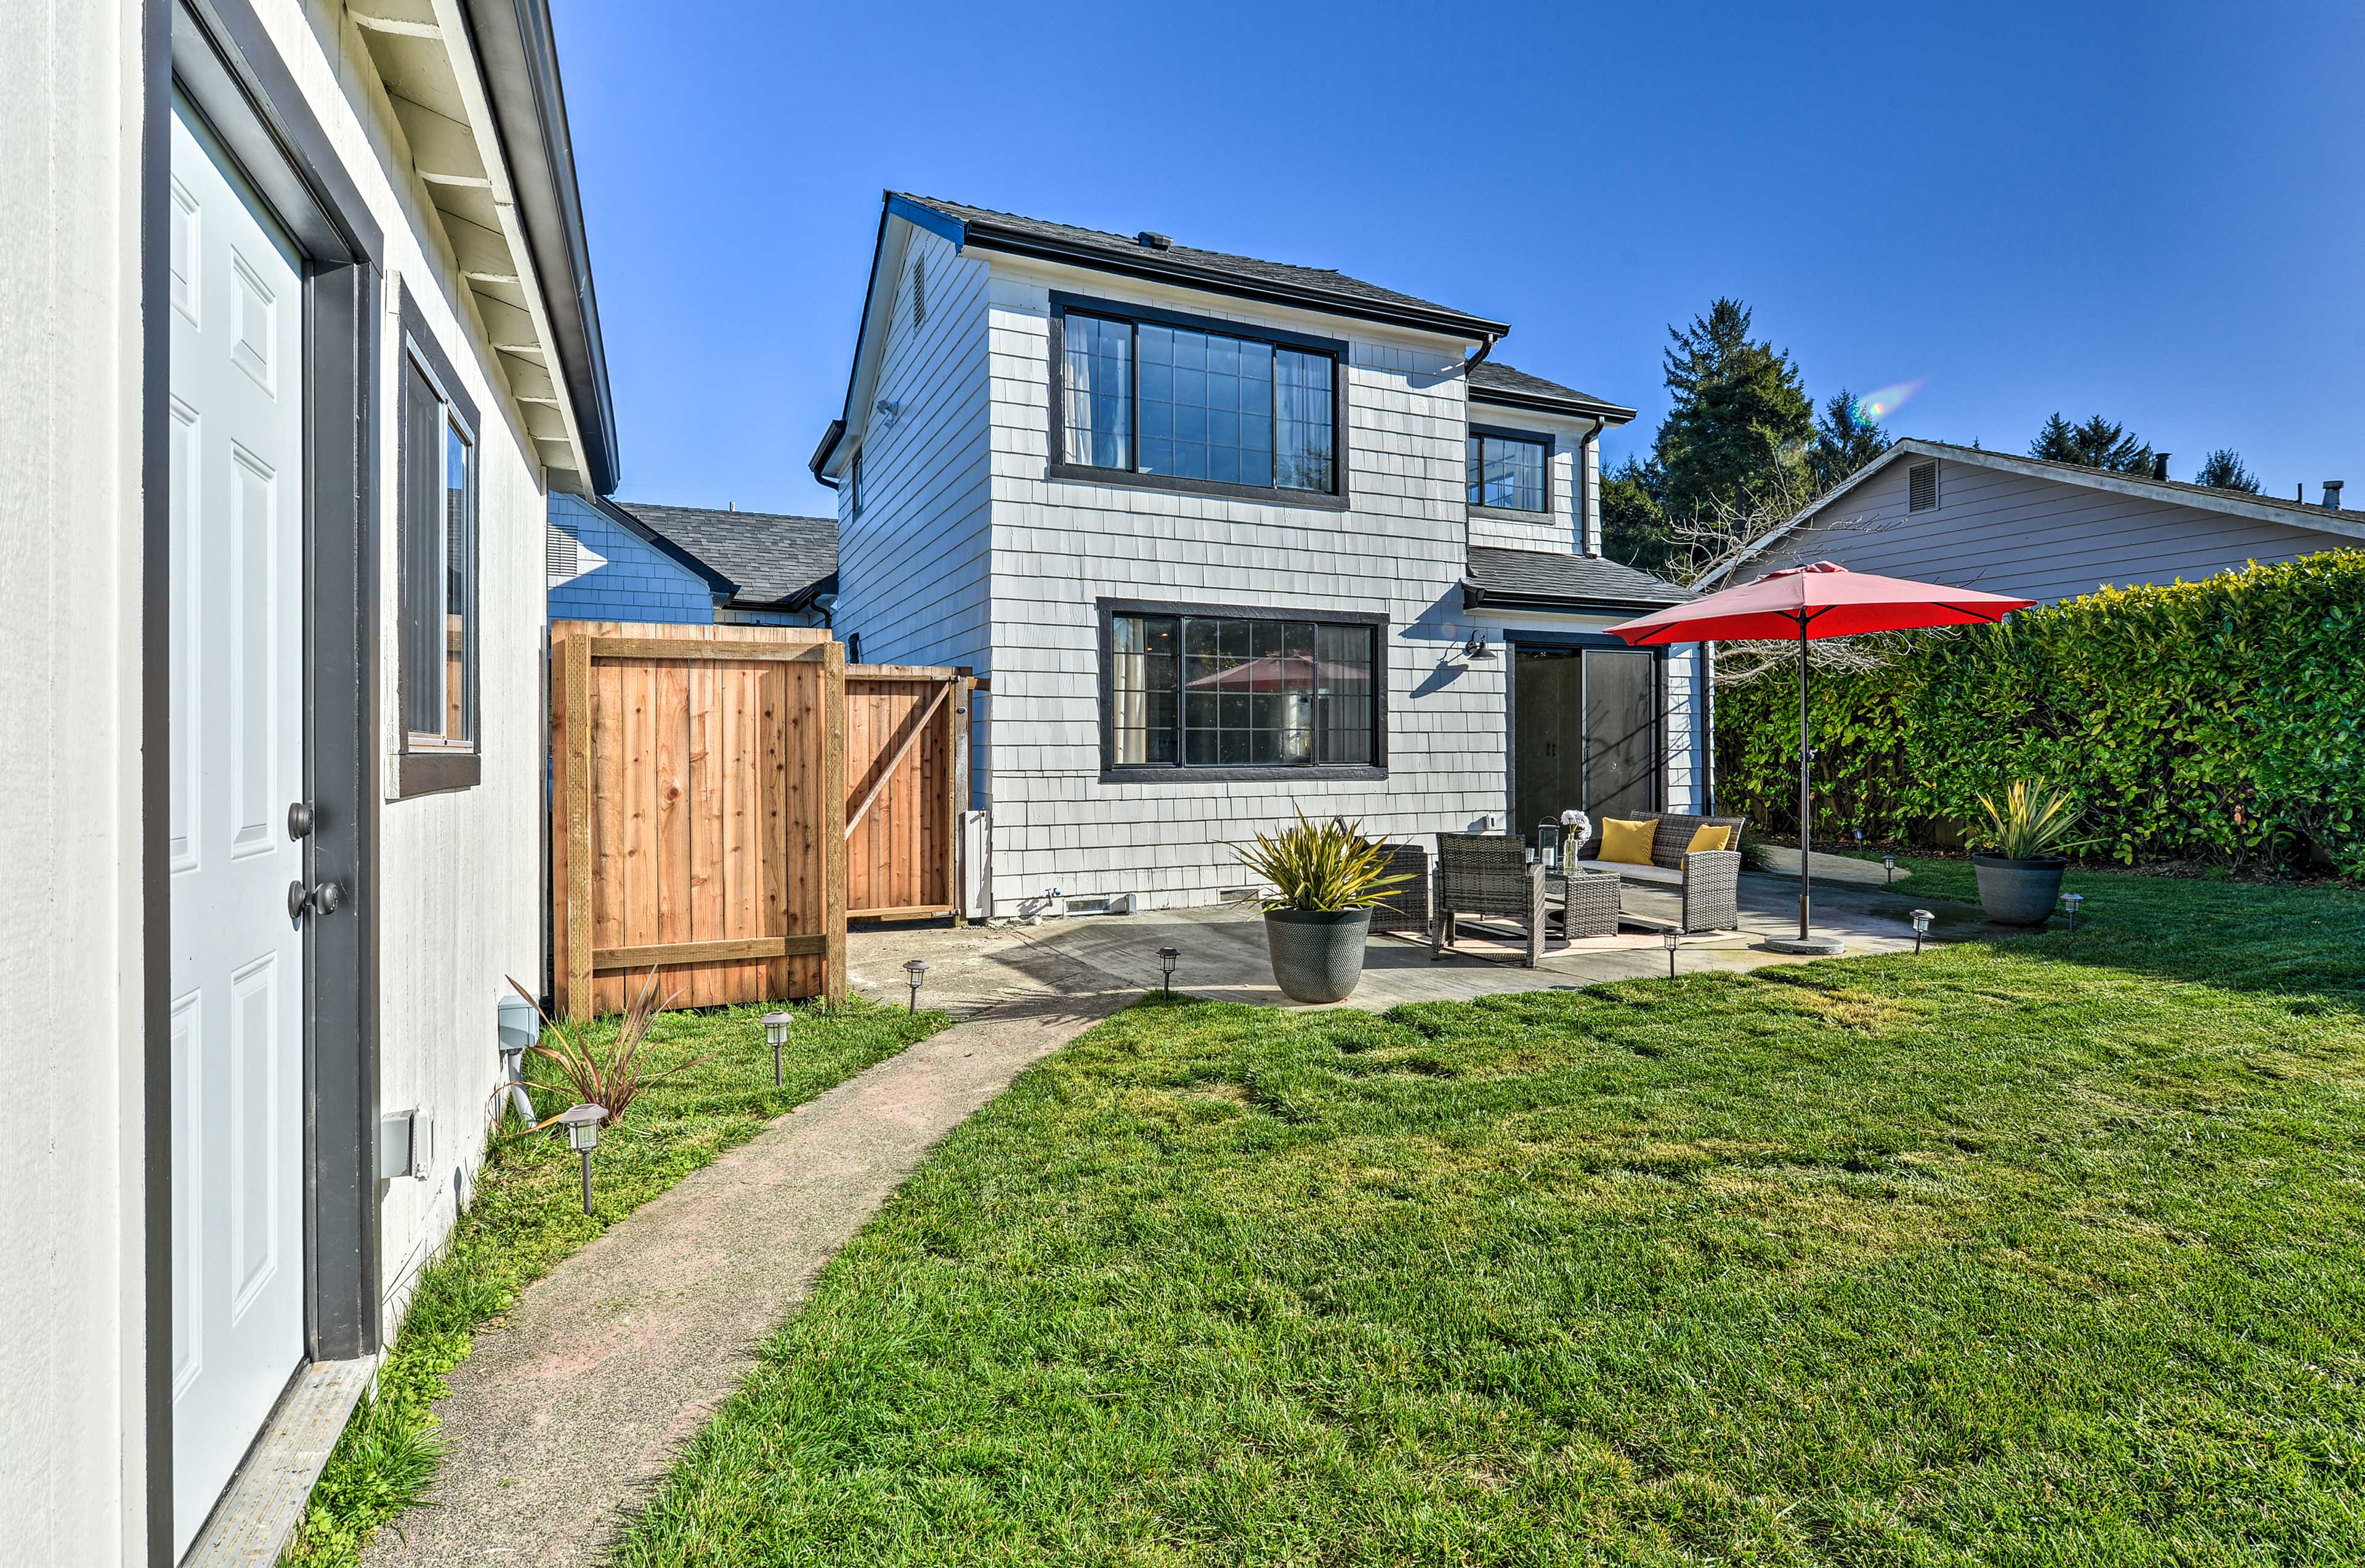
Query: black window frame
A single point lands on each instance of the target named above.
(1182, 772)
(1335, 499)
(429, 768)
(1551, 445)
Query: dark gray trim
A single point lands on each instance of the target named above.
(518, 59)
(435, 770)
(1058, 467)
(156, 779)
(1582, 407)
(436, 773)
(828, 447)
(1179, 772)
(223, 60)
(1475, 598)
(1545, 439)
(616, 512)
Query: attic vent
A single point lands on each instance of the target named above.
(1922, 487)
(1150, 242)
(920, 292)
(561, 554)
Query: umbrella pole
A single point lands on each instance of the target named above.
(1806, 758)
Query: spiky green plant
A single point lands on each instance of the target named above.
(2033, 822)
(1328, 869)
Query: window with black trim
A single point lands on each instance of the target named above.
(854, 485)
(1180, 403)
(436, 548)
(1509, 472)
(1187, 690)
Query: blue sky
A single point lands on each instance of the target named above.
(2154, 212)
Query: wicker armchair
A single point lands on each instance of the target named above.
(1486, 874)
(1404, 908)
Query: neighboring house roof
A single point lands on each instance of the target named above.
(1492, 381)
(2346, 527)
(765, 560)
(1547, 579)
(519, 64)
(1321, 288)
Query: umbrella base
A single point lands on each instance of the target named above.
(1823, 946)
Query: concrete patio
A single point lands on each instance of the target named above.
(1223, 951)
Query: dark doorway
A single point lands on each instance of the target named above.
(1585, 733)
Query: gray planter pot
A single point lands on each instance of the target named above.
(1317, 955)
(2018, 892)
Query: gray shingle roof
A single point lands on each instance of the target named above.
(1185, 259)
(1530, 575)
(772, 556)
(1494, 376)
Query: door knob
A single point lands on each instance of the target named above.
(326, 898)
(299, 819)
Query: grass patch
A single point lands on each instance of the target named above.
(2044, 1249)
(526, 1214)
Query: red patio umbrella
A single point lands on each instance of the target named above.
(1820, 600)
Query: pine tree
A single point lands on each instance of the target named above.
(2223, 470)
(1740, 419)
(1633, 525)
(2097, 443)
(1844, 441)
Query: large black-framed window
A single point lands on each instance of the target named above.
(1199, 691)
(436, 553)
(1169, 401)
(1510, 470)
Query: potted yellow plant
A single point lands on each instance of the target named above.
(2020, 877)
(1324, 880)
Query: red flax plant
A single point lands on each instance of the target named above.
(609, 1076)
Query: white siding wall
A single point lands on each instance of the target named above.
(72, 1318)
(1059, 547)
(460, 873)
(2038, 539)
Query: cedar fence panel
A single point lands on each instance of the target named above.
(725, 796)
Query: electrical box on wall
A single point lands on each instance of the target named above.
(405, 1144)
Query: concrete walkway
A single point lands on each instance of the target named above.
(570, 1413)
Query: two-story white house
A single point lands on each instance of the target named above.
(1233, 539)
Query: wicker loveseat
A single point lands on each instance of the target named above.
(1709, 881)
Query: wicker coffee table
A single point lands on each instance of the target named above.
(1588, 902)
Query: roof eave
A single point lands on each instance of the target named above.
(1474, 597)
(518, 60)
(1579, 407)
(640, 529)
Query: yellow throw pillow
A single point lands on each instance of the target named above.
(1628, 843)
(1710, 838)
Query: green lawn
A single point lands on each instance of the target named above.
(526, 1214)
(2044, 1250)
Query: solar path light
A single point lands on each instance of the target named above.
(776, 1034)
(582, 1124)
(1888, 864)
(1920, 927)
(2070, 902)
(915, 972)
(1166, 958)
(1670, 940)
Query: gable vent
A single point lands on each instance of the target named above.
(920, 292)
(1922, 487)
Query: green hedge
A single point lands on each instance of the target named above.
(2216, 721)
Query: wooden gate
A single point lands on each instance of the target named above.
(907, 778)
(725, 796)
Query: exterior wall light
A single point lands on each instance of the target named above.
(1476, 650)
(1920, 927)
(1166, 958)
(915, 972)
(776, 1034)
(582, 1124)
(1671, 940)
(2070, 902)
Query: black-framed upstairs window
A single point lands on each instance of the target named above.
(1511, 471)
(1177, 402)
(436, 547)
(1188, 691)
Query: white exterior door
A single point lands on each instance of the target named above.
(237, 451)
